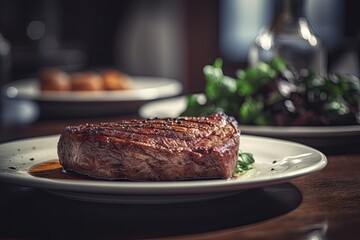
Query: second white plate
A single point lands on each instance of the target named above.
(88, 103)
(173, 107)
(330, 139)
(143, 88)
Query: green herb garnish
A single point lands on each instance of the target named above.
(245, 162)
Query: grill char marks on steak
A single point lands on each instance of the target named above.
(153, 149)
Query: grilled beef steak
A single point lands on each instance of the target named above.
(153, 149)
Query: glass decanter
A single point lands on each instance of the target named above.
(291, 38)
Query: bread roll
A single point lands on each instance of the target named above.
(86, 82)
(54, 80)
(115, 80)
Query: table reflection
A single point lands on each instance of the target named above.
(58, 217)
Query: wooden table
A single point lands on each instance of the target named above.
(324, 205)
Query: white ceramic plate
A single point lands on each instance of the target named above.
(143, 88)
(276, 161)
(174, 106)
(87, 103)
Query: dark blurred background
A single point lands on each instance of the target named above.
(169, 38)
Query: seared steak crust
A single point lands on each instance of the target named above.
(153, 149)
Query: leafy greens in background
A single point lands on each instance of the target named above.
(274, 93)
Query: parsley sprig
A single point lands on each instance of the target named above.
(245, 162)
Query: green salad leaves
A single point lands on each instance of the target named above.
(275, 93)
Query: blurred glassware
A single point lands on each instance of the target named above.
(5, 66)
(5, 60)
(291, 38)
(37, 37)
